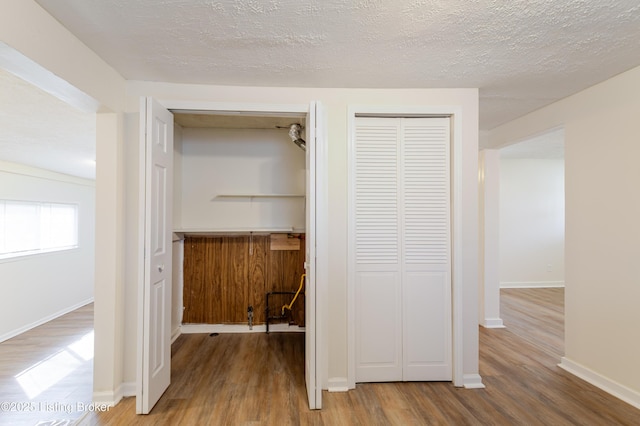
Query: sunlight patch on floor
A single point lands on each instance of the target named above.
(46, 373)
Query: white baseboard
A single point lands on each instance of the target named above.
(107, 398)
(128, 389)
(111, 398)
(17, 331)
(472, 381)
(532, 284)
(338, 384)
(493, 323)
(238, 328)
(622, 392)
(175, 334)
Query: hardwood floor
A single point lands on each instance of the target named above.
(47, 371)
(258, 379)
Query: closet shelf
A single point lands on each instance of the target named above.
(217, 231)
(258, 196)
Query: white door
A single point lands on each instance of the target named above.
(378, 292)
(314, 388)
(154, 367)
(402, 249)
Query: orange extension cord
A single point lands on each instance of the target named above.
(296, 296)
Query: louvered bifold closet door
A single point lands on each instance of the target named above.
(426, 255)
(401, 207)
(377, 251)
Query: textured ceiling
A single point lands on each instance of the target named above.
(522, 54)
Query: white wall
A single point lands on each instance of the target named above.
(531, 222)
(218, 162)
(40, 287)
(336, 103)
(489, 253)
(602, 236)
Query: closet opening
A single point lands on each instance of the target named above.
(239, 222)
(235, 196)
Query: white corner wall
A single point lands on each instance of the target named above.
(218, 164)
(531, 223)
(39, 288)
(602, 236)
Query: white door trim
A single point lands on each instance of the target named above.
(456, 225)
(293, 110)
(142, 208)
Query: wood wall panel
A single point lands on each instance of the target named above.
(258, 270)
(214, 269)
(234, 308)
(194, 275)
(223, 275)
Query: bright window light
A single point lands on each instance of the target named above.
(28, 227)
(83, 347)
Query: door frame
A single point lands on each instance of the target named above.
(321, 178)
(455, 114)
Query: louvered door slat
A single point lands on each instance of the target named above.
(377, 252)
(425, 155)
(426, 250)
(376, 199)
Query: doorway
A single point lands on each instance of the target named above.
(239, 218)
(310, 114)
(532, 212)
(532, 230)
(47, 199)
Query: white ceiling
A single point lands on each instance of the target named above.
(40, 130)
(521, 54)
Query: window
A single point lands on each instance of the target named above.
(28, 227)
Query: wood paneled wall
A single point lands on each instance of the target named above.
(223, 275)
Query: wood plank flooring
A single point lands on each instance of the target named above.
(258, 379)
(46, 371)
